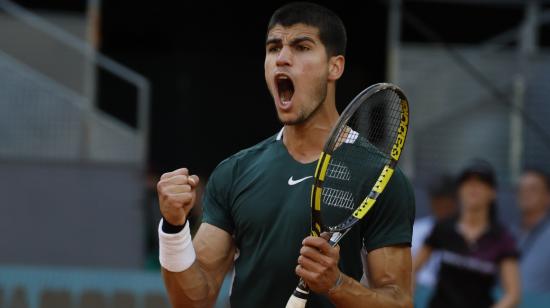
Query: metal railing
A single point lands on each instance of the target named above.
(475, 100)
(90, 117)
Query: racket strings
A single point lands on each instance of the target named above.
(378, 121)
(381, 117)
(338, 170)
(338, 198)
(361, 150)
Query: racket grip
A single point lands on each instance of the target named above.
(298, 299)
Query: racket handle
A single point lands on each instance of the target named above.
(298, 299)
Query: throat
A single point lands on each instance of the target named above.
(303, 157)
(304, 146)
(306, 140)
(472, 227)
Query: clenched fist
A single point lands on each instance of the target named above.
(177, 194)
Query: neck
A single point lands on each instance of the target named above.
(529, 219)
(305, 141)
(477, 218)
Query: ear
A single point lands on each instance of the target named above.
(336, 67)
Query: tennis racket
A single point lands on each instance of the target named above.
(356, 164)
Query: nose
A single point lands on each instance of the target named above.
(284, 58)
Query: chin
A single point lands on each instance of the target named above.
(288, 121)
(291, 120)
(287, 118)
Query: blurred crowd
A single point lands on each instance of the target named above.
(463, 252)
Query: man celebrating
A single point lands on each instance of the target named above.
(256, 213)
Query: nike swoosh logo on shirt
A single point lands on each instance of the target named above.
(294, 182)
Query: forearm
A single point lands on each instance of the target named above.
(191, 288)
(193, 271)
(352, 294)
(509, 276)
(507, 301)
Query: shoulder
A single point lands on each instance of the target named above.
(399, 183)
(447, 223)
(390, 222)
(399, 194)
(501, 230)
(541, 232)
(446, 226)
(545, 228)
(229, 165)
(505, 241)
(443, 233)
(504, 233)
(397, 200)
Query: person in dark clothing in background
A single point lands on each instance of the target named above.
(475, 248)
(442, 197)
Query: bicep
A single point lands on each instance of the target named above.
(214, 248)
(391, 267)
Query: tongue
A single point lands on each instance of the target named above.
(286, 95)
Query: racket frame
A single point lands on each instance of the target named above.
(300, 295)
(317, 226)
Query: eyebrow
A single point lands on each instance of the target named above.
(295, 41)
(273, 40)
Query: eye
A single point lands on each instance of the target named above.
(302, 48)
(273, 49)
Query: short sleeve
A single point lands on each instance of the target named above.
(508, 247)
(217, 199)
(391, 219)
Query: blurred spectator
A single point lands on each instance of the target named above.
(475, 248)
(442, 205)
(534, 237)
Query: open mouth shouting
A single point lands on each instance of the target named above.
(285, 91)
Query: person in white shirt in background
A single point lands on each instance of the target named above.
(441, 193)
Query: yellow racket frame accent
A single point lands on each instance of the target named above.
(324, 165)
(378, 188)
(402, 134)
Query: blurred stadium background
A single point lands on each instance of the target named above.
(98, 98)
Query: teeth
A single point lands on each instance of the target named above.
(282, 77)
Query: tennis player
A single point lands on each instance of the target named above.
(256, 203)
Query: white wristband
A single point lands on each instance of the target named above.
(176, 252)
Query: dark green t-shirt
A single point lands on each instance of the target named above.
(261, 196)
